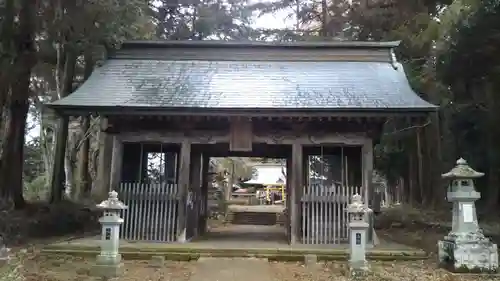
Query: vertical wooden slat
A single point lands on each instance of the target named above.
(330, 217)
(149, 212)
(139, 209)
(315, 216)
(336, 213)
(162, 213)
(130, 228)
(133, 210)
(152, 213)
(170, 221)
(162, 222)
(131, 203)
(127, 222)
(156, 218)
(173, 226)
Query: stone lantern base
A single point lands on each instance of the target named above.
(358, 271)
(108, 266)
(471, 252)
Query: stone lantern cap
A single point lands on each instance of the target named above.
(112, 203)
(462, 171)
(357, 205)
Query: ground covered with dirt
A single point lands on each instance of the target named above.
(379, 271)
(66, 268)
(403, 225)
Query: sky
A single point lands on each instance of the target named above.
(273, 21)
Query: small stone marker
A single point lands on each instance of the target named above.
(311, 261)
(465, 248)
(109, 262)
(157, 261)
(357, 236)
(4, 253)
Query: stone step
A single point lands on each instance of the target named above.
(252, 218)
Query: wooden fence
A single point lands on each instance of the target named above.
(324, 219)
(152, 211)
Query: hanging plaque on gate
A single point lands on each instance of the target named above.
(241, 135)
(358, 238)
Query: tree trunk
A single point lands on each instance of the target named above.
(58, 172)
(83, 161)
(493, 151)
(324, 19)
(7, 31)
(12, 174)
(83, 165)
(435, 160)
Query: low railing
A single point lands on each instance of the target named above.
(152, 211)
(324, 219)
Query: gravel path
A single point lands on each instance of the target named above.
(231, 269)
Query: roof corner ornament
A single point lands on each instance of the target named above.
(394, 60)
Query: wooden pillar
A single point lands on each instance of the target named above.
(367, 173)
(116, 164)
(204, 190)
(289, 191)
(367, 170)
(184, 165)
(195, 175)
(296, 186)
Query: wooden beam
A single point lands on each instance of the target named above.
(184, 167)
(296, 186)
(211, 137)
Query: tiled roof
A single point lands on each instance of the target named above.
(260, 84)
(209, 84)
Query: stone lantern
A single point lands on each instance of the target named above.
(357, 235)
(108, 262)
(465, 248)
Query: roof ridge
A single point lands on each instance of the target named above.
(141, 44)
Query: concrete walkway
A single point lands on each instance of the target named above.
(232, 269)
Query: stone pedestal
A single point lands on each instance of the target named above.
(107, 270)
(465, 248)
(109, 261)
(358, 227)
